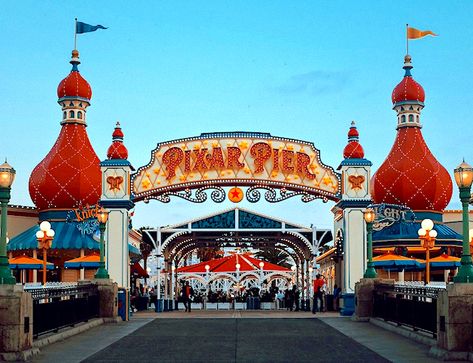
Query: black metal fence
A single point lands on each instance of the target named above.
(415, 307)
(56, 308)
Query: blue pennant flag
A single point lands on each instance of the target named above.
(86, 28)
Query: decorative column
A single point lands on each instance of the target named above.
(348, 217)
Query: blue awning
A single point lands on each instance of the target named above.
(67, 236)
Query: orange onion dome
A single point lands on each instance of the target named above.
(117, 150)
(74, 85)
(353, 150)
(408, 89)
(69, 176)
(411, 175)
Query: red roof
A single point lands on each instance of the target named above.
(69, 176)
(117, 150)
(408, 89)
(411, 175)
(353, 150)
(228, 264)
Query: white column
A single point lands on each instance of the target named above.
(82, 270)
(35, 272)
(116, 250)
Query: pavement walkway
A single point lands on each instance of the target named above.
(236, 336)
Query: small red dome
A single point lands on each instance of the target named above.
(408, 90)
(74, 85)
(411, 175)
(353, 150)
(117, 150)
(69, 176)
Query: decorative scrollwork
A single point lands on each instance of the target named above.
(217, 195)
(254, 195)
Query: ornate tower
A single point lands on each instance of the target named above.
(116, 198)
(411, 176)
(349, 221)
(69, 176)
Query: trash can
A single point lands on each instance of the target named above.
(257, 303)
(250, 303)
(329, 302)
(123, 304)
(158, 305)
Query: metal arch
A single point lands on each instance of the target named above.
(303, 239)
(193, 276)
(223, 276)
(174, 236)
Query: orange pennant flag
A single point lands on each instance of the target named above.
(413, 33)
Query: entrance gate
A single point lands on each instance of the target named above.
(275, 168)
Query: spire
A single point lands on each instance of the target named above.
(117, 150)
(353, 150)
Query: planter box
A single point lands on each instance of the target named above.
(210, 306)
(267, 306)
(240, 305)
(223, 306)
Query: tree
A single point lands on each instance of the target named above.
(209, 253)
(275, 256)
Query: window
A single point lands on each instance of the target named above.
(64, 115)
(411, 118)
(71, 114)
(79, 115)
(417, 119)
(403, 118)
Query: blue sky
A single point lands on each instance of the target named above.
(172, 69)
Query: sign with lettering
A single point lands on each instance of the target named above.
(85, 219)
(388, 214)
(235, 159)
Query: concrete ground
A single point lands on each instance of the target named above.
(236, 336)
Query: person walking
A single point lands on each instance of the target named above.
(297, 296)
(187, 294)
(318, 295)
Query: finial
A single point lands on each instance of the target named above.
(353, 124)
(118, 124)
(75, 60)
(407, 65)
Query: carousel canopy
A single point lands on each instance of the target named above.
(28, 263)
(229, 263)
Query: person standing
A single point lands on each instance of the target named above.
(187, 294)
(318, 294)
(336, 297)
(297, 296)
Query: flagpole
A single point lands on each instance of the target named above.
(75, 35)
(407, 38)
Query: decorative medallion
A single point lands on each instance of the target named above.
(235, 195)
(356, 181)
(115, 182)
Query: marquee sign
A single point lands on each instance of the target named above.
(255, 160)
(85, 219)
(388, 214)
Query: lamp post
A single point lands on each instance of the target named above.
(102, 217)
(45, 238)
(207, 269)
(370, 216)
(237, 266)
(7, 176)
(464, 179)
(427, 237)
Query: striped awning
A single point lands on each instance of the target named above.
(90, 261)
(28, 263)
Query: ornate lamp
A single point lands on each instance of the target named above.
(102, 217)
(427, 236)
(369, 216)
(7, 176)
(464, 178)
(45, 238)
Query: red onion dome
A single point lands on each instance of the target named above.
(117, 150)
(408, 89)
(411, 175)
(74, 85)
(69, 176)
(353, 150)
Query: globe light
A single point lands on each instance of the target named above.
(50, 233)
(173, 267)
(421, 232)
(7, 175)
(261, 264)
(427, 224)
(207, 267)
(433, 233)
(102, 215)
(237, 266)
(463, 175)
(39, 234)
(293, 267)
(45, 226)
(369, 215)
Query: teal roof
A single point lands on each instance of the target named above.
(67, 237)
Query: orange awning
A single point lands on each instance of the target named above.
(28, 263)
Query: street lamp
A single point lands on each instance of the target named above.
(464, 178)
(427, 237)
(45, 238)
(237, 266)
(102, 217)
(261, 276)
(7, 176)
(370, 216)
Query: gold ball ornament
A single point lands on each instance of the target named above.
(235, 195)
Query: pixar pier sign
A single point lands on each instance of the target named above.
(235, 159)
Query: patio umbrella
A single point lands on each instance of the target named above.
(28, 263)
(443, 262)
(390, 261)
(89, 261)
